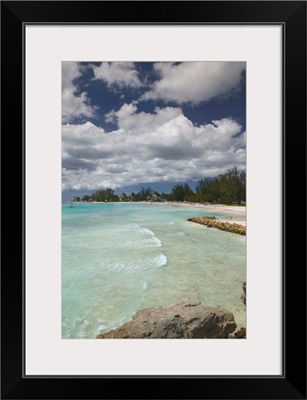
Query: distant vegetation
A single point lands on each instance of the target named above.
(226, 188)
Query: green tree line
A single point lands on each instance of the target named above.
(228, 188)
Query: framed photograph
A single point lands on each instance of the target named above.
(140, 126)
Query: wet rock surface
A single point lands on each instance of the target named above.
(186, 320)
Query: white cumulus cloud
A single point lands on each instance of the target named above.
(74, 104)
(122, 74)
(194, 82)
(163, 146)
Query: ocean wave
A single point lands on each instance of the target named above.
(152, 242)
(136, 228)
(178, 234)
(144, 231)
(136, 265)
(160, 261)
(148, 238)
(99, 329)
(159, 224)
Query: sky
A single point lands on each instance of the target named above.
(127, 125)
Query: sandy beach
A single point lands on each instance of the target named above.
(237, 210)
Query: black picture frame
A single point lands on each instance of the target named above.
(292, 16)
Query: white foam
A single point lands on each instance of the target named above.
(99, 329)
(140, 230)
(176, 234)
(144, 231)
(155, 242)
(160, 261)
(180, 234)
(159, 224)
(152, 242)
(145, 286)
(137, 264)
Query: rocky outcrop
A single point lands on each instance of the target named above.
(182, 321)
(241, 333)
(212, 222)
(243, 296)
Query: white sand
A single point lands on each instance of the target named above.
(239, 210)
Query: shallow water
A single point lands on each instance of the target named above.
(120, 258)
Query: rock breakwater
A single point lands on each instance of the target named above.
(212, 222)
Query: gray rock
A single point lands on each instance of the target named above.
(241, 333)
(243, 296)
(182, 321)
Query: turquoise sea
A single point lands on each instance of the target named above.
(120, 258)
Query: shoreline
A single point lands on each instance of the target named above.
(236, 210)
(239, 210)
